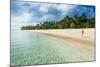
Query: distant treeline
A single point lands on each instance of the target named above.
(67, 22)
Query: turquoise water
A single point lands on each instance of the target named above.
(29, 48)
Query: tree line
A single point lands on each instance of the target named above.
(67, 22)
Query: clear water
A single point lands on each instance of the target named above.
(29, 48)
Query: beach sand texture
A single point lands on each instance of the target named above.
(71, 34)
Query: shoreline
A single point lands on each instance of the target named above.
(72, 35)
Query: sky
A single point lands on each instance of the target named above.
(32, 13)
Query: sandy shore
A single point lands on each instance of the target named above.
(72, 35)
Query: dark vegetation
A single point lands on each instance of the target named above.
(67, 22)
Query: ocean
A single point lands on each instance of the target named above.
(31, 48)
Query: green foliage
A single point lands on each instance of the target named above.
(67, 22)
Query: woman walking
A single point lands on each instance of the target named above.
(82, 32)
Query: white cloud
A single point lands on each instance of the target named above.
(62, 7)
(25, 17)
(48, 17)
(20, 20)
(43, 9)
(65, 8)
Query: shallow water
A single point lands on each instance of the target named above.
(29, 48)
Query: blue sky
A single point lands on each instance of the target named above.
(31, 13)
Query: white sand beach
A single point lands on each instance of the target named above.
(72, 35)
(89, 34)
